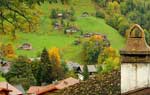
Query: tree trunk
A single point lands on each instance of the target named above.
(2, 22)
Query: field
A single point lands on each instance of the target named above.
(46, 37)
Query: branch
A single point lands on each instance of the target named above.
(21, 14)
(3, 17)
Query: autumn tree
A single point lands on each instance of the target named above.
(8, 50)
(108, 59)
(57, 69)
(113, 7)
(54, 55)
(92, 48)
(17, 13)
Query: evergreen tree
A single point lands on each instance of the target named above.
(85, 72)
(53, 14)
(46, 67)
(20, 72)
(36, 70)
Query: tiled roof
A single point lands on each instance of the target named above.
(66, 83)
(10, 87)
(49, 88)
(41, 89)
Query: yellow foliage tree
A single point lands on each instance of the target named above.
(54, 55)
(110, 53)
(8, 51)
(96, 37)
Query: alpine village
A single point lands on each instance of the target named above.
(74, 47)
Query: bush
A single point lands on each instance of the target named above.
(123, 27)
(100, 14)
(53, 14)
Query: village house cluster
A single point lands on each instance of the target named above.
(8, 89)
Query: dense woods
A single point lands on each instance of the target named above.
(120, 14)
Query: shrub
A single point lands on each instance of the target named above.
(100, 14)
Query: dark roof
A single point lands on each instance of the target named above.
(140, 91)
(91, 68)
(4, 89)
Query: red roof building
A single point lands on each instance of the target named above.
(40, 90)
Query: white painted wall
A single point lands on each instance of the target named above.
(134, 75)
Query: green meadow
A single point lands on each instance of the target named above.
(47, 37)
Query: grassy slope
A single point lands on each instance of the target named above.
(92, 24)
(56, 39)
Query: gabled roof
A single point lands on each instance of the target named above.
(72, 65)
(41, 89)
(52, 87)
(66, 83)
(91, 68)
(14, 90)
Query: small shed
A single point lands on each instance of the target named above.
(59, 15)
(71, 30)
(85, 14)
(91, 69)
(73, 66)
(26, 46)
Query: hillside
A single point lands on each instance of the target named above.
(47, 37)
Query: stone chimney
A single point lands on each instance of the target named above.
(135, 62)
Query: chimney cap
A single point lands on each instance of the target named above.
(136, 43)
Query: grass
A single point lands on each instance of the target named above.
(2, 79)
(40, 41)
(92, 24)
(47, 37)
